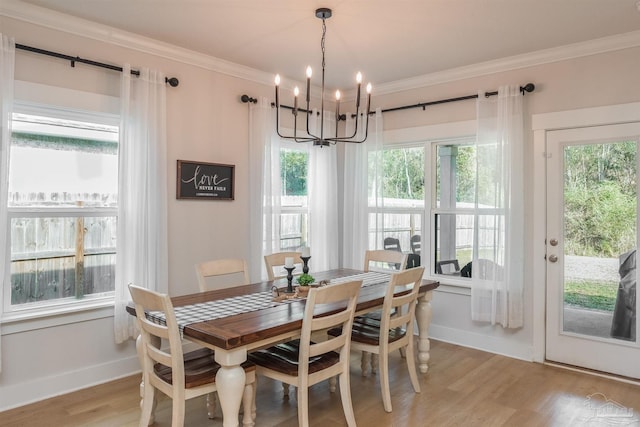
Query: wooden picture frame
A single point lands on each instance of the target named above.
(205, 181)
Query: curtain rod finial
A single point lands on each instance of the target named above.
(529, 87)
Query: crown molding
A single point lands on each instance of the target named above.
(540, 57)
(84, 28)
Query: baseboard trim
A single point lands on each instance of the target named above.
(17, 395)
(491, 344)
(619, 378)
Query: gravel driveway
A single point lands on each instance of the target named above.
(582, 267)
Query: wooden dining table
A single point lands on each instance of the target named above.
(233, 336)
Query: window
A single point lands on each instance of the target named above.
(63, 185)
(395, 218)
(294, 214)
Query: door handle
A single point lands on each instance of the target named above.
(553, 258)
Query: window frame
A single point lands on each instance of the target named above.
(47, 101)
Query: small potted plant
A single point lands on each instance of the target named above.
(304, 280)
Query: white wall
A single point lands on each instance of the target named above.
(207, 122)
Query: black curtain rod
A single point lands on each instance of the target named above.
(172, 81)
(529, 87)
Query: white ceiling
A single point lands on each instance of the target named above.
(388, 40)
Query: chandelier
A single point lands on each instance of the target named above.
(319, 137)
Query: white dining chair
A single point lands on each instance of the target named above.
(179, 375)
(302, 362)
(393, 331)
(275, 264)
(233, 270)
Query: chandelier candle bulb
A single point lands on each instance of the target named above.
(337, 108)
(359, 80)
(277, 86)
(296, 92)
(309, 72)
(368, 98)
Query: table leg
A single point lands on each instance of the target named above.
(423, 316)
(230, 381)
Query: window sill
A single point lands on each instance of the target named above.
(29, 320)
(451, 285)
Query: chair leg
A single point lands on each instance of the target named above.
(253, 404)
(211, 405)
(384, 381)
(247, 405)
(148, 400)
(345, 395)
(332, 384)
(303, 406)
(285, 391)
(403, 353)
(374, 363)
(177, 415)
(364, 362)
(411, 365)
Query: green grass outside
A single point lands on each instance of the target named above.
(591, 294)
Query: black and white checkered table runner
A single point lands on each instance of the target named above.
(368, 279)
(218, 309)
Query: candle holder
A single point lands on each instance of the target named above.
(305, 262)
(290, 279)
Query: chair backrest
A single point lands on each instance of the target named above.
(277, 260)
(392, 244)
(399, 307)
(416, 244)
(452, 264)
(235, 270)
(342, 297)
(385, 260)
(152, 333)
(483, 269)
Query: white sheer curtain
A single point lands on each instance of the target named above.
(355, 239)
(497, 268)
(142, 192)
(264, 188)
(322, 186)
(7, 66)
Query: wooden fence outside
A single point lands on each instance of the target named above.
(61, 257)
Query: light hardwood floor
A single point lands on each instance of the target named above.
(464, 387)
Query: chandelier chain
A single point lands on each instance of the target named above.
(324, 32)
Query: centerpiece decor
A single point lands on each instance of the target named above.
(304, 281)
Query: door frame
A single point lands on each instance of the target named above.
(541, 124)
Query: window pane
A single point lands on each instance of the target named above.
(455, 172)
(453, 242)
(402, 177)
(401, 226)
(293, 173)
(49, 258)
(293, 231)
(76, 163)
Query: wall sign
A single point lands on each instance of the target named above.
(212, 181)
